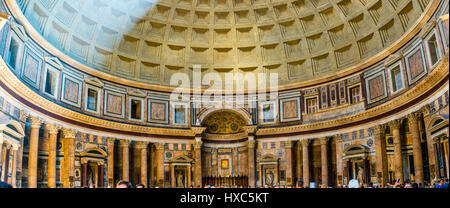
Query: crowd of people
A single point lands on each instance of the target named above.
(440, 183)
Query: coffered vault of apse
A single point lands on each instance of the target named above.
(149, 40)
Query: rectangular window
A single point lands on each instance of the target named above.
(433, 50)
(180, 114)
(13, 52)
(136, 109)
(397, 81)
(311, 104)
(355, 92)
(51, 82)
(92, 100)
(268, 113)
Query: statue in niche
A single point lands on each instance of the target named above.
(360, 176)
(269, 177)
(180, 179)
(90, 176)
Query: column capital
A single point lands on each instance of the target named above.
(35, 121)
(379, 129)
(141, 144)
(69, 133)
(15, 146)
(425, 110)
(52, 128)
(198, 130)
(338, 137)
(413, 117)
(395, 124)
(110, 140)
(324, 140)
(305, 142)
(124, 142)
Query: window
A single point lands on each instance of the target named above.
(92, 99)
(433, 50)
(396, 79)
(355, 95)
(51, 81)
(268, 113)
(13, 52)
(136, 108)
(180, 114)
(311, 104)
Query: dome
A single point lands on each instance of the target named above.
(148, 41)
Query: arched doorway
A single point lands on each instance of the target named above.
(92, 167)
(357, 165)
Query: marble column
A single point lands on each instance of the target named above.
(124, 146)
(299, 161)
(15, 149)
(142, 148)
(69, 157)
(52, 130)
(172, 175)
(214, 165)
(251, 162)
(1, 154)
(235, 162)
(289, 171)
(398, 161)
(305, 150)
(110, 142)
(413, 122)
(324, 160)
(380, 154)
(198, 163)
(101, 177)
(33, 151)
(433, 162)
(189, 176)
(160, 164)
(339, 161)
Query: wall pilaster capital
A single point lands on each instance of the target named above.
(35, 122)
(425, 110)
(110, 140)
(69, 133)
(52, 128)
(198, 145)
(15, 146)
(288, 144)
(23, 115)
(379, 129)
(251, 130)
(395, 124)
(251, 144)
(160, 146)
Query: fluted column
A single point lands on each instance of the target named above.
(110, 142)
(69, 157)
(160, 164)
(433, 163)
(324, 160)
(305, 150)
(398, 162)
(172, 175)
(124, 146)
(380, 154)
(142, 148)
(251, 131)
(413, 122)
(33, 151)
(339, 161)
(299, 161)
(52, 130)
(289, 174)
(235, 162)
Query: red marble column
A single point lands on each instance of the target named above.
(100, 176)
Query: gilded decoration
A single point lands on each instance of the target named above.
(224, 122)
